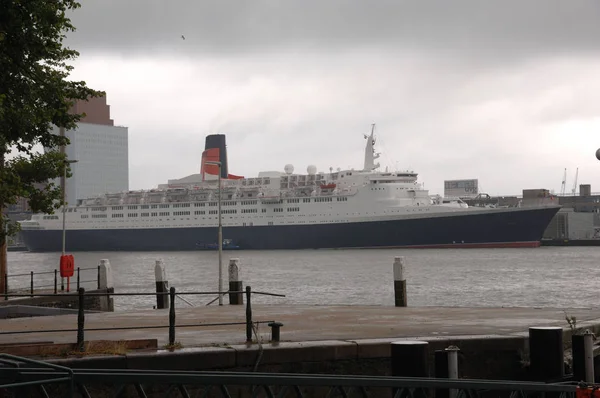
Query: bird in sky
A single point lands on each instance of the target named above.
(183, 37)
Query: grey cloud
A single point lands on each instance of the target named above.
(485, 28)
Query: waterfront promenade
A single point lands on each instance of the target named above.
(302, 323)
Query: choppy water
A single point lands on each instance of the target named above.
(542, 277)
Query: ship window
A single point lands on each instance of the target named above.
(84, 216)
(154, 214)
(144, 207)
(154, 206)
(98, 208)
(164, 206)
(98, 215)
(117, 215)
(132, 207)
(132, 214)
(199, 212)
(163, 214)
(264, 210)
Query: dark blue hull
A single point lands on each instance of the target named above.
(515, 228)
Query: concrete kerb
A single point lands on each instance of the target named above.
(197, 358)
(509, 351)
(293, 352)
(245, 355)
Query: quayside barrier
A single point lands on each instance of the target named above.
(55, 285)
(249, 322)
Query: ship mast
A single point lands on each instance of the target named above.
(370, 154)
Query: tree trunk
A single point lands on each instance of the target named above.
(3, 266)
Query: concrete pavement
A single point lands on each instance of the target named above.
(301, 323)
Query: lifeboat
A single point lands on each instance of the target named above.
(328, 186)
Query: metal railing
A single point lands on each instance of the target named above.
(248, 322)
(32, 286)
(22, 377)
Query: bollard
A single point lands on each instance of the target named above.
(80, 320)
(589, 356)
(248, 315)
(5, 286)
(453, 367)
(235, 284)
(441, 366)
(583, 357)
(546, 353)
(409, 359)
(31, 293)
(162, 285)
(275, 331)
(55, 281)
(399, 282)
(441, 372)
(78, 279)
(446, 367)
(172, 317)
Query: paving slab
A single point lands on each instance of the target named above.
(302, 323)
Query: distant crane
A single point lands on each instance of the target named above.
(564, 183)
(575, 183)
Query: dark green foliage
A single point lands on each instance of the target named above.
(35, 96)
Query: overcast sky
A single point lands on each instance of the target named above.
(506, 91)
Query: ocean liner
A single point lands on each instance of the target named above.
(364, 208)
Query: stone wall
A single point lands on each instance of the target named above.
(67, 300)
(481, 357)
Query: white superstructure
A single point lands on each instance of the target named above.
(273, 198)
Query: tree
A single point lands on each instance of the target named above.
(35, 96)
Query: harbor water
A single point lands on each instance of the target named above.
(560, 277)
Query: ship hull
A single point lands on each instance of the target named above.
(514, 228)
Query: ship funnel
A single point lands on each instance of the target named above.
(215, 150)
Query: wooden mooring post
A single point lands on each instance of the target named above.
(235, 284)
(162, 285)
(399, 283)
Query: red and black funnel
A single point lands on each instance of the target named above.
(215, 150)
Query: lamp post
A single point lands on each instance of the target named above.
(220, 234)
(63, 183)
